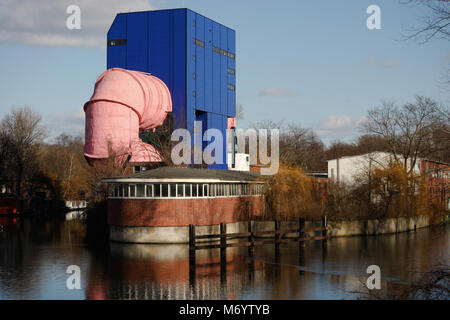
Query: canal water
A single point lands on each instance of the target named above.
(34, 257)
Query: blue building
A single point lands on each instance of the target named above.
(193, 55)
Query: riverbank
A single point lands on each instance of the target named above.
(338, 229)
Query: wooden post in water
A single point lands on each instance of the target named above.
(324, 234)
(223, 253)
(251, 251)
(301, 227)
(277, 249)
(301, 244)
(250, 239)
(324, 225)
(192, 262)
(277, 237)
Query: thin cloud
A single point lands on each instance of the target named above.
(342, 126)
(43, 23)
(71, 123)
(335, 122)
(388, 63)
(276, 92)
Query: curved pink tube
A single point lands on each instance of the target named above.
(125, 102)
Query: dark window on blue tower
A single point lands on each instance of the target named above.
(120, 42)
(231, 87)
(231, 71)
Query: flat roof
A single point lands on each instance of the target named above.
(175, 174)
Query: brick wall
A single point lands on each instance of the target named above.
(182, 212)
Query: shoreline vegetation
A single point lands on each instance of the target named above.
(36, 169)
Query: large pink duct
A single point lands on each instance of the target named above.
(125, 102)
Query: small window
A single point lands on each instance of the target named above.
(205, 190)
(194, 189)
(149, 190)
(231, 71)
(110, 190)
(132, 190)
(164, 190)
(125, 191)
(200, 190)
(120, 42)
(173, 190)
(157, 190)
(187, 190)
(231, 87)
(141, 190)
(180, 190)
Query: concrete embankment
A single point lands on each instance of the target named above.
(338, 229)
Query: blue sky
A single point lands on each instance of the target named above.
(312, 63)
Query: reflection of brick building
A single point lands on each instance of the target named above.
(437, 175)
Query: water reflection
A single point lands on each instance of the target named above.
(34, 256)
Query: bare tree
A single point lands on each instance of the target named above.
(302, 147)
(22, 132)
(434, 25)
(407, 130)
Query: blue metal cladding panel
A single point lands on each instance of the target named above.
(218, 122)
(179, 68)
(216, 69)
(137, 41)
(208, 66)
(224, 124)
(223, 71)
(159, 46)
(190, 70)
(231, 110)
(200, 63)
(117, 55)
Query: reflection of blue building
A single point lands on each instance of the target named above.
(192, 54)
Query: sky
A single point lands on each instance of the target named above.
(310, 63)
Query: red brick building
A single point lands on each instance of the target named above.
(437, 177)
(140, 206)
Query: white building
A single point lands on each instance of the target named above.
(347, 169)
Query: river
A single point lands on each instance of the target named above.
(35, 254)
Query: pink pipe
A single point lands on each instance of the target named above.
(125, 102)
